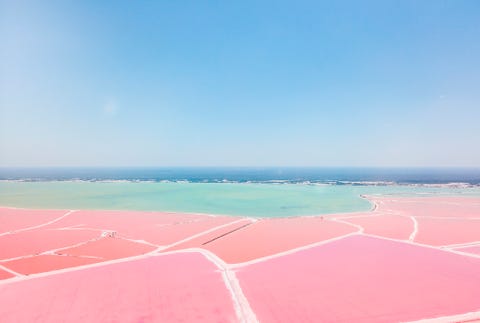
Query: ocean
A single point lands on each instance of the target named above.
(259, 192)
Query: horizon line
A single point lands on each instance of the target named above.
(237, 166)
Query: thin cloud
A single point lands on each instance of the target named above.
(110, 108)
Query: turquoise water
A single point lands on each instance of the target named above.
(263, 200)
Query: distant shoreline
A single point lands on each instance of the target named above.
(276, 175)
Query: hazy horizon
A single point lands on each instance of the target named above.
(248, 84)
(236, 167)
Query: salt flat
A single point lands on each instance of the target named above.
(408, 259)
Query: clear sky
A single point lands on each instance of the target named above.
(240, 83)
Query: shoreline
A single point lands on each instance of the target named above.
(454, 185)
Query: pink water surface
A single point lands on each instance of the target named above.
(350, 277)
(271, 236)
(45, 263)
(16, 219)
(109, 248)
(362, 279)
(40, 240)
(174, 288)
(391, 226)
(440, 231)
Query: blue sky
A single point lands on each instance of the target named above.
(245, 83)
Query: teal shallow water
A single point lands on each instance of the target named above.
(263, 200)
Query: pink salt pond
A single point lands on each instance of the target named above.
(172, 288)
(108, 248)
(470, 249)
(40, 240)
(438, 231)
(409, 259)
(391, 226)
(362, 279)
(5, 274)
(12, 219)
(44, 263)
(268, 237)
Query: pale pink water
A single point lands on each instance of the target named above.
(348, 276)
(362, 279)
